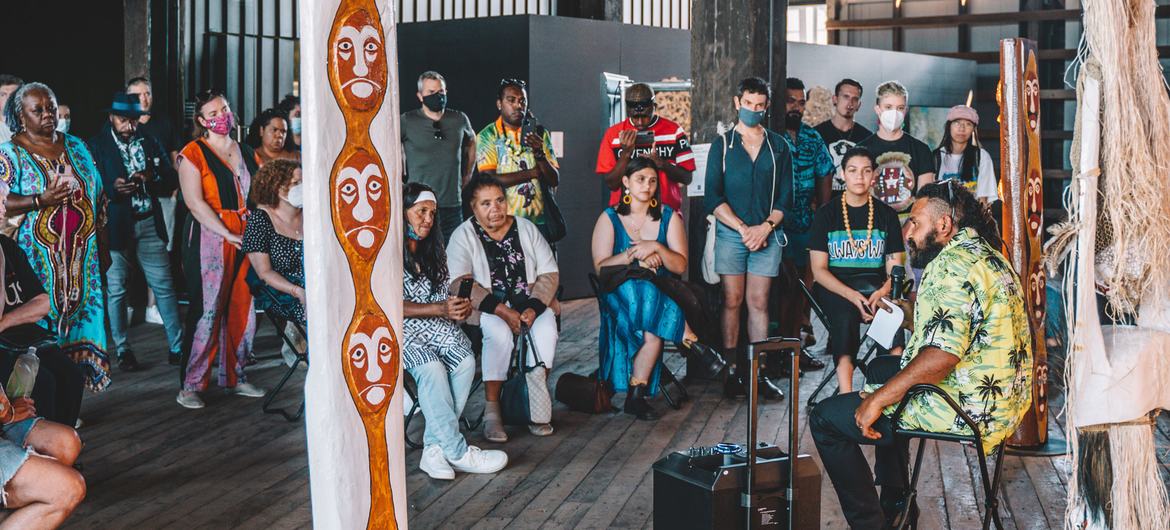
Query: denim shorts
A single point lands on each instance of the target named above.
(733, 258)
(13, 452)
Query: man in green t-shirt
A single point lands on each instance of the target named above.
(971, 339)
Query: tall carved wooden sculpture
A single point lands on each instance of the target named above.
(352, 246)
(1023, 212)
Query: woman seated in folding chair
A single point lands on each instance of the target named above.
(435, 351)
(516, 279)
(641, 238)
(274, 241)
(853, 244)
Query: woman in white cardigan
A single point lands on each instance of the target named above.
(516, 280)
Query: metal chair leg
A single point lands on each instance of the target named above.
(685, 396)
(991, 503)
(912, 491)
(267, 405)
(406, 427)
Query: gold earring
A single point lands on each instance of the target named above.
(653, 203)
(627, 199)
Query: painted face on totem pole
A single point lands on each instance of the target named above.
(1036, 287)
(371, 354)
(1032, 192)
(362, 203)
(360, 61)
(1032, 97)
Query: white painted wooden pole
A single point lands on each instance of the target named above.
(353, 262)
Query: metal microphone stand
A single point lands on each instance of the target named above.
(772, 344)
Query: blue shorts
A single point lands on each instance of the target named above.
(797, 248)
(13, 452)
(733, 258)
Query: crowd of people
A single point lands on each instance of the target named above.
(832, 205)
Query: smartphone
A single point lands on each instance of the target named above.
(644, 138)
(528, 126)
(465, 288)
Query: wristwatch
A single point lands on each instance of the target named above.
(770, 223)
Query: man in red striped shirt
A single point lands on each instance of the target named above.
(644, 134)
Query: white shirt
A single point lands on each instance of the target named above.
(985, 183)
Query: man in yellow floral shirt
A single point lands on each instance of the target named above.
(970, 338)
(521, 164)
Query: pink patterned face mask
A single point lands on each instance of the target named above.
(222, 124)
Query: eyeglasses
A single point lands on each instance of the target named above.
(514, 82)
(641, 105)
(438, 131)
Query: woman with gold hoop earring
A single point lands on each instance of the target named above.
(641, 233)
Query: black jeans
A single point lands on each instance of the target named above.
(839, 443)
(59, 384)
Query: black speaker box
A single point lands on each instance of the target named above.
(702, 492)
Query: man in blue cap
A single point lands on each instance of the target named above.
(136, 171)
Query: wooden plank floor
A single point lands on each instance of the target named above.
(151, 464)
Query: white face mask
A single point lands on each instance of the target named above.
(294, 196)
(892, 119)
(63, 125)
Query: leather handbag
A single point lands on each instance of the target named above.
(524, 399)
(585, 393)
(554, 222)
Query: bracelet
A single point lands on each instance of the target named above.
(36, 202)
(770, 223)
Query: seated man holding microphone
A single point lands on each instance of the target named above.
(854, 243)
(970, 338)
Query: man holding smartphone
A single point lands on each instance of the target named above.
(643, 133)
(136, 171)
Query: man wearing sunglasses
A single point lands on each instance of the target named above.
(645, 134)
(439, 145)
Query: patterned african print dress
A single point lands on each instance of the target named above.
(636, 307)
(220, 319)
(61, 243)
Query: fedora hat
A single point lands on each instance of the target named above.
(126, 105)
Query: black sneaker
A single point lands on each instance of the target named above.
(128, 362)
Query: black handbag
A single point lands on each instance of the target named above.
(524, 399)
(553, 228)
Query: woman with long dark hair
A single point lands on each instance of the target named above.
(435, 351)
(215, 174)
(959, 155)
(641, 232)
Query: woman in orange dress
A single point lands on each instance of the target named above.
(215, 173)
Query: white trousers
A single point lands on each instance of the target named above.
(498, 343)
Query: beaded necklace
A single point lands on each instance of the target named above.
(858, 246)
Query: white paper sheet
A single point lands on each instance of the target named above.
(886, 324)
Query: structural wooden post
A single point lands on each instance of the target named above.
(353, 262)
(730, 41)
(1023, 209)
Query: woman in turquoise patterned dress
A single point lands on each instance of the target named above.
(640, 231)
(56, 186)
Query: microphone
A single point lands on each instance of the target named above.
(898, 278)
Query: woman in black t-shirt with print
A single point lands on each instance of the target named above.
(854, 242)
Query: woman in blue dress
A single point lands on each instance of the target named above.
(640, 232)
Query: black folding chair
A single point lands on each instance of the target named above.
(666, 375)
(280, 323)
(990, 485)
(831, 375)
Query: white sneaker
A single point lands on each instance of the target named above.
(477, 460)
(189, 400)
(434, 464)
(152, 316)
(248, 390)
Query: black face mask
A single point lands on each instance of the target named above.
(437, 102)
(792, 120)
